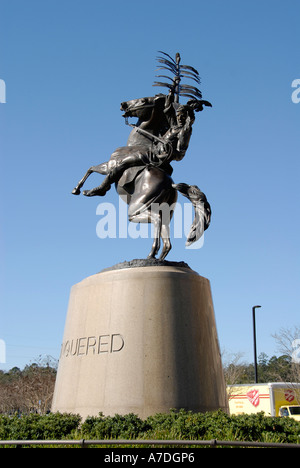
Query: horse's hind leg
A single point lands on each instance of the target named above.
(165, 234)
(146, 217)
(156, 221)
(101, 169)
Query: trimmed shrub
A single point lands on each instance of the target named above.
(179, 425)
(38, 427)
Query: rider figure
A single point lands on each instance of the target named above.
(180, 118)
(171, 146)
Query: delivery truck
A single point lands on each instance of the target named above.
(273, 398)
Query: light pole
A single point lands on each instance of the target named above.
(254, 341)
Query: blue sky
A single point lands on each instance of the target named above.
(67, 66)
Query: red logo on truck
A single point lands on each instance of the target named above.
(289, 395)
(253, 397)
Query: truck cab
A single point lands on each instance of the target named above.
(290, 412)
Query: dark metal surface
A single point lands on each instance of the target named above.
(213, 443)
(142, 169)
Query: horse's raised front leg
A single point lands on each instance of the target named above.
(101, 169)
(101, 189)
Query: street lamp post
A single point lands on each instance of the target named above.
(254, 342)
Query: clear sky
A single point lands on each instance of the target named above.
(67, 65)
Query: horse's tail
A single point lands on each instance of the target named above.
(202, 210)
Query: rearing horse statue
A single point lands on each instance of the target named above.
(143, 176)
(141, 170)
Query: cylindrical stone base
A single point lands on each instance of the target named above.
(140, 340)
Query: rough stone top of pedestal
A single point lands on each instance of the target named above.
(148, 262)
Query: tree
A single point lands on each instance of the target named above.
(235, 371)
(274, 369)
(30, 390)
(286, 340)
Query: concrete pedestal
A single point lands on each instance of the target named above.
(140, 340)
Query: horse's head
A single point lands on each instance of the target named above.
(142, 108)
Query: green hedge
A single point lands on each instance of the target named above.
(181, 425)
(186, 425)
(38, 427)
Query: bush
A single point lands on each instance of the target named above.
(180, 425)
(113, 427)
(186, 425)
(38, 427)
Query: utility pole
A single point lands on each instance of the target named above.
(254, 342)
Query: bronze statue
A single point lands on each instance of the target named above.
(141, 170)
